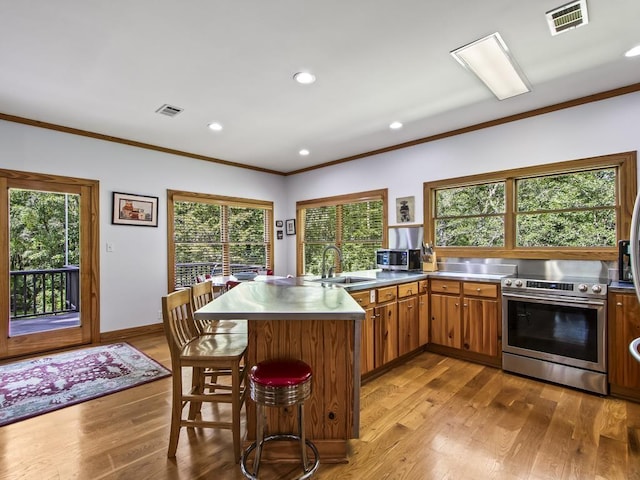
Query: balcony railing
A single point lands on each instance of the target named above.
(186, 273)
(44, 292)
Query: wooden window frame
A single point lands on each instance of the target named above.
(338, 200)
(182, 196)
(626, 190)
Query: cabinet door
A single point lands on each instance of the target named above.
(408, 325)
(480, 326)
(423, 321)
(445, 320)
(386, 341)
(367, 342)
(624, 326)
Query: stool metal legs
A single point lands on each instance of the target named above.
(303, 439)
(308, 469)
(260, 424)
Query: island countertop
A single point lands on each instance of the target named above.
(320, 325)
(282, 299)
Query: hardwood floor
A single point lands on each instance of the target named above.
(432, 418)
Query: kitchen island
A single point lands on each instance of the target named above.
(319, 324)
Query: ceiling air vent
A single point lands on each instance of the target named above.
(566, 17)
(169, 110)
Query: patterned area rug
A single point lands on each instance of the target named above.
(41, 385)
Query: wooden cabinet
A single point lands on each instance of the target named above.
(386, 325)
(466, 316)
(396, 322)
(445, 313)
(367, 337)
(480, 320)
(408, 318)
(623, 326)
(423, 312)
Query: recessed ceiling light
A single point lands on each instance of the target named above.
(215, 126)
(395, 125)
(304, 152)
(305, 78)
(634, 52)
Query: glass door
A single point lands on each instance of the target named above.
(48, 239)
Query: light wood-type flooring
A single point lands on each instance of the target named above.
(431, 418)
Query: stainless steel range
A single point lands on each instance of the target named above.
(556, 330)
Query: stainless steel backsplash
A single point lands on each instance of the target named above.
(405, 237)
(557, 269)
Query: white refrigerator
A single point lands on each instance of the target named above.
(634, 248)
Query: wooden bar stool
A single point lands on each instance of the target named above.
(280, 383)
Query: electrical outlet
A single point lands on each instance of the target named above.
(110, 247)
(160, 315)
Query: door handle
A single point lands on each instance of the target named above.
(633, 349)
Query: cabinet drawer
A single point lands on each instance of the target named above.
(407, 289)
(423, 286)
(386, 294)
(445, 286)
(489, 290)
(362, 298)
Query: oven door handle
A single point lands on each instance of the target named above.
(555, 300)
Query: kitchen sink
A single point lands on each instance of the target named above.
(344, 280)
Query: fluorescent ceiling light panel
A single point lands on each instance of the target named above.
(489, 59)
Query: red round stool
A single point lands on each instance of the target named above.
(280, 383)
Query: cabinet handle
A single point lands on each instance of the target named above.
(464, 305)
(618, 304)
(444, 287)
(409, 292)
(478, 290)
(457, 305)
(409, 307)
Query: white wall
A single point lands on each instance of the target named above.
(600, 128)
(134, 276)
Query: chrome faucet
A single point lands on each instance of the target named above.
(324, 259)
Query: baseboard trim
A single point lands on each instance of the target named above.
(131, 332)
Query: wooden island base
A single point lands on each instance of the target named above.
(332, 411)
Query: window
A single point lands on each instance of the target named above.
(471, 215)
(213, 235)
(560, 210)
(568, 210)
(355, 223)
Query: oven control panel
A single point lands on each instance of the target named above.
(578, 288)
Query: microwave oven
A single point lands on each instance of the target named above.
(398, 259)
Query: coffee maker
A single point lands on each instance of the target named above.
(624, 262)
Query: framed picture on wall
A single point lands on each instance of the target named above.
(290, 226)
(130, 209)
(405, 209)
